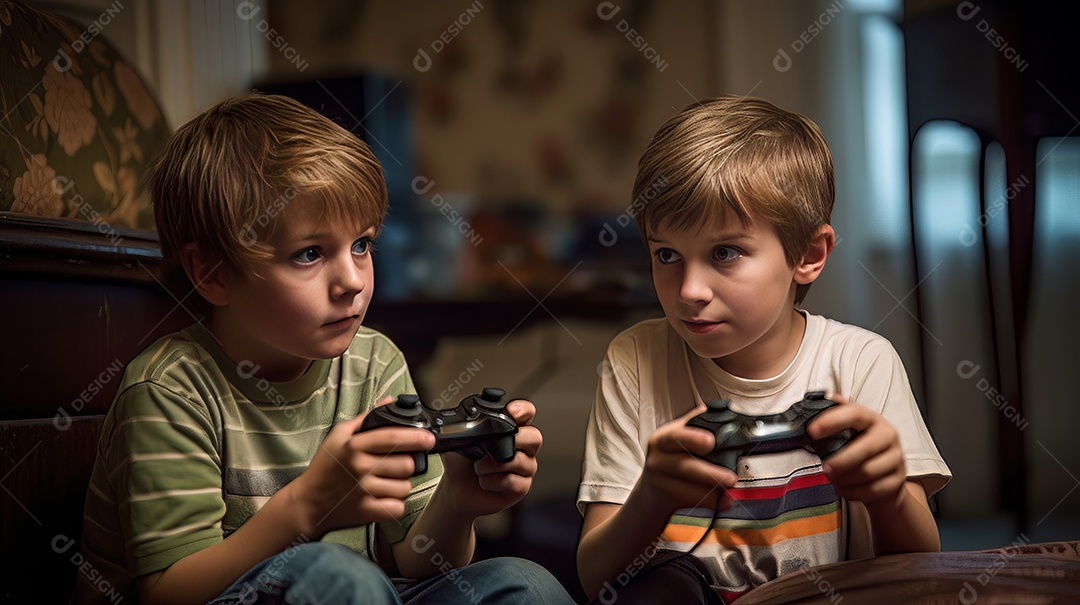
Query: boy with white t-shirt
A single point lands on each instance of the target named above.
(741, 194)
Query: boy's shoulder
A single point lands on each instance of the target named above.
(837, 330)
(168, 359)
(649, 346)
(190, 359)
(186, 376)
(846, 340)
(644, 334)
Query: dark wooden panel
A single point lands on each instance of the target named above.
(43, 475)
(66, 342)
(76, 304)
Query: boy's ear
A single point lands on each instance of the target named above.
(821, 246)
(205, 274)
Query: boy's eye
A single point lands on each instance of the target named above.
(307, 256)
(726, 254)
(666, 256)
(362, 246)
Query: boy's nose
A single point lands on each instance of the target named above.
(695, 285)
(349, 278)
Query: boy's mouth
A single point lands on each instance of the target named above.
(341, 322)
(698, 326)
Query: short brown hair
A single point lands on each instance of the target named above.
(225, 175)
(740, 155)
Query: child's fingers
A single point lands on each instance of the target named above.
(393, 440)
(394, 466)
(886, 462)
(840, 417)
(698, 409)
(522, 464)
(690, 469)
(876, 439)
(505, 483)
(353, 424)
(522, 411)
(374, 486)
(690, 440)
(344, 431)
(529, 440)
(838, 398)
(707, 473)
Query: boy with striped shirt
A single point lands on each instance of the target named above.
(738, 229)
(229, 468)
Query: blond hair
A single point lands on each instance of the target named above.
(225, 175)
(741, 157)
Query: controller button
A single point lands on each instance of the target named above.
(471, 412)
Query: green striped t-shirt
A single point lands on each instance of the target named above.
(195, 444)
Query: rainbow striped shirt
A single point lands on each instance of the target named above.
(786, 516)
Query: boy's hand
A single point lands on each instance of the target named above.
(484, 486)
(675, 477)
(358, 478)
(871, 467)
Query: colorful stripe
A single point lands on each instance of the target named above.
(765, 534)
(770, 519)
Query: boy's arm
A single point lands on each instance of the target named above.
(444, 534)
(906, 525)
(352, 480)
(673, 478)
(613, 536)
(201, 576)
(871, 470)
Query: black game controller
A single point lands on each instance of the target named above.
(739, 434)
(478, 425)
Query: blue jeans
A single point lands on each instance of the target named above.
(320, 572)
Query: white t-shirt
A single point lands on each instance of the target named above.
(787, 515)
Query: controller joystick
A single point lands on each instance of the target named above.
(739, 434)
(478, 425)
(406, 406)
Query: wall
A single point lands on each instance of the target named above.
(547, 105)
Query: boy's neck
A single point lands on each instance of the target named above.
(771, 354)
(263, 366)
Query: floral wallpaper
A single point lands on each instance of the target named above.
(79, 127)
